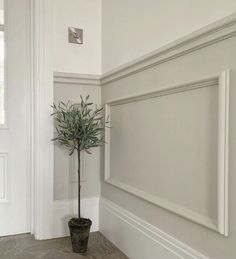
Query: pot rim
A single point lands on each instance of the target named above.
(80, 222)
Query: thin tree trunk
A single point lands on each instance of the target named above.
(79, 187)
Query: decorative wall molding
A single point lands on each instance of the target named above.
(78, 79)
(41, 130)
(206, 36)
(150, 242)
(3, 178)
(206, 82)
(222, 81)
(211, 34)
(64, 210)
(223, 147)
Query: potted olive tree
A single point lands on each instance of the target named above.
(79, 127)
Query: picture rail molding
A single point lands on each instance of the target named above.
(222, 81)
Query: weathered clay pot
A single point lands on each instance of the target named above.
(79, 234)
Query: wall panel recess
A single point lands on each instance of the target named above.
(170, 147)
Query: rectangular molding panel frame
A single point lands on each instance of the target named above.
(3, 178)
(222, 81)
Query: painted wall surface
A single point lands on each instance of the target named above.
(193, 66)
(81, 59)
(77, 58)
(65, 186)
(133, 28)
(179, 133)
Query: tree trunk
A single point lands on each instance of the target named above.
(79, 187)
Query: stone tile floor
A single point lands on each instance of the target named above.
(26, 247)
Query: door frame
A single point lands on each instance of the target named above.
(41, 157)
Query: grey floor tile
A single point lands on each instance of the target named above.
(26, 247)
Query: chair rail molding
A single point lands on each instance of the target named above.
(211, 34)
(41, 147)
(222, 82)
(78, 79)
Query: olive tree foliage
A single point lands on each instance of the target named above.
(79, 126)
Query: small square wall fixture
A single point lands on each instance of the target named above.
(75, 35)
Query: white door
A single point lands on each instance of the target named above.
(14, 128)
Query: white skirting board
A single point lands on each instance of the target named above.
(137, 238)
(66, 209)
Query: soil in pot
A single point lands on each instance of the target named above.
(79, 234)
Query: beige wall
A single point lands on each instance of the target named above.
(64, 185)
(123, 42)
(133, 28)
(76, 58)
(198, 64)
(81, 59)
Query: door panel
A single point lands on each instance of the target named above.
(14, 138)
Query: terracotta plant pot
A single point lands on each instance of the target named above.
(79, 234)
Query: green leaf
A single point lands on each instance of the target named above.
(79, 123)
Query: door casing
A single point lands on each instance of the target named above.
(41, 124)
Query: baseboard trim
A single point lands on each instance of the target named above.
(65, 209)
(137, 238)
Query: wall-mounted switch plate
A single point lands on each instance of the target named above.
(75, 35)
